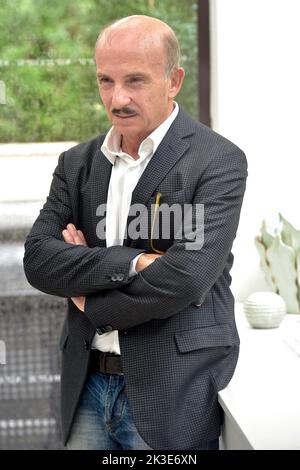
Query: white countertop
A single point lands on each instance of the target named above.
(262, 401)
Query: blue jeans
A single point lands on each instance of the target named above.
(104, 421)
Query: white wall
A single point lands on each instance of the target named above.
(26, 169)
(256, 104)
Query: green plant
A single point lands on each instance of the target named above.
(47, 102)
(279, 251)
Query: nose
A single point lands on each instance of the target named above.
(120, 97)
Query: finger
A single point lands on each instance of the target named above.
(154, 256)
(77, 238)
(77, 299)
(82, 237)
(74, 233)
(79, 302)
(71, 228)
(68, 236)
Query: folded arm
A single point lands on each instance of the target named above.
(181, 277)
(76, 237)
(64, 269)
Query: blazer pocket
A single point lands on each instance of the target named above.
(208, 337)
(172, 198)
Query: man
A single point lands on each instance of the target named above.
(150, 336)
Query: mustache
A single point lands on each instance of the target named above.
(125, 110)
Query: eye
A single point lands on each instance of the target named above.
(104, 80)
(134, 80)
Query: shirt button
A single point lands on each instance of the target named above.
(125, 332)
(120, 277)
(114, 277)
(109, 328)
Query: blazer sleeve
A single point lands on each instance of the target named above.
(181, 276)
(59, 268)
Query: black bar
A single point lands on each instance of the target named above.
(204, 62)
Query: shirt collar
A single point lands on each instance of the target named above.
(111, 145)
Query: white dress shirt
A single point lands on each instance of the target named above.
(126, 172)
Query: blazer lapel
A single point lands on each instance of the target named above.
(170, 150)
(101, 173)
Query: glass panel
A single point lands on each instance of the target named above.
(46, 64)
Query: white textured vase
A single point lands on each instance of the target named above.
(264, 309)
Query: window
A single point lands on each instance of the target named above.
(46, 64)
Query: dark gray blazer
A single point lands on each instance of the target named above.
(178, 339)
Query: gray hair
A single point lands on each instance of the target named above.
(169, 39)
(172, 48)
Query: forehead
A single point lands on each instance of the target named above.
(130, 50)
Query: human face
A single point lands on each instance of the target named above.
(135, 90)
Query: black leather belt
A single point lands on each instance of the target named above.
(107, 363)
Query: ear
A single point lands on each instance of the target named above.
(176, 81)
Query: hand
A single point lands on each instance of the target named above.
(145, 260)
(79, 302)
(75, 237)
